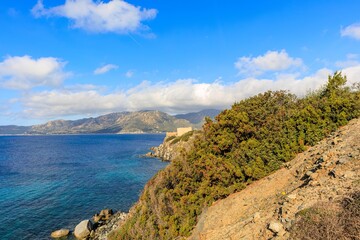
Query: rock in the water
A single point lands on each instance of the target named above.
(60, 233)
(276, 227)
(83, 229)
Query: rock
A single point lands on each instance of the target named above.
(60, 233)
(340, 161)
(96, 218)
(314, 183)
(276, 227)
(332, 173)
(292, 196)
(348, 174)
(106, 212)
(83, 229)
(256, 217)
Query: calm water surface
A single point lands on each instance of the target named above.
(51, 182)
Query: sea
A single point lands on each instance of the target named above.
(53, 182)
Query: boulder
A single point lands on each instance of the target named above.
(60, 233)
(97, 218)
(83, 229)
(256, 217)
(106, 212)
(276, 227)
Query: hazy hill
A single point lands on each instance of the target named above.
(12, 129)
(123, 122)
(198, 117)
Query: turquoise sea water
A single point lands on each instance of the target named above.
(52, 182)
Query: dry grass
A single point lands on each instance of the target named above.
(330, 221)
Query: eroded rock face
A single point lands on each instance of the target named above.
(60, 233)
(83, 229)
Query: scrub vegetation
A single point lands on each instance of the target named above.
(243, 144)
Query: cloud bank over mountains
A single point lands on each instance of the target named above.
(179, 96)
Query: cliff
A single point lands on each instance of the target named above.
(323, 175)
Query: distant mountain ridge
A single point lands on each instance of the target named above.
(146, 121)
(198, 117)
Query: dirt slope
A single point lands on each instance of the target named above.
(325, 172)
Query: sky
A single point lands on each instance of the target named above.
(69, 59)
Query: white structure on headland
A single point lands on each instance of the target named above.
(179, 132)
(182, 131)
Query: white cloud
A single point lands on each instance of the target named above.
(183, 95)
(129, 74)
(56, 103)
(105, 69)
(270, 61)
(26, 72)
(116, 16)
(352, 31)
(351, 60)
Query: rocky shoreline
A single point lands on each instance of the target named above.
(97, 228)
(106, 221)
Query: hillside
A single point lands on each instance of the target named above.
(198, 117)
(122, 122)
(244, 144)
(324, 174)
(12, 129)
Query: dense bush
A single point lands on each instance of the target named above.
(245, 143)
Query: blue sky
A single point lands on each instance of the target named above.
(67, 59)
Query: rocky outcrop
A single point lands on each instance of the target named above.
(104, 215)
(83, 229)
(109, 225)
(267, 208)
(172, 147)
(164, 151)
(60, 233)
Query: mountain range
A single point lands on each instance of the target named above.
(122, 122)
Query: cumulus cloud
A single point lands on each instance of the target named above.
(183, 95)
(270, 61)
(105, 69)
(56, 103)
(26, 72)
(352, 31)
(115, 16)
